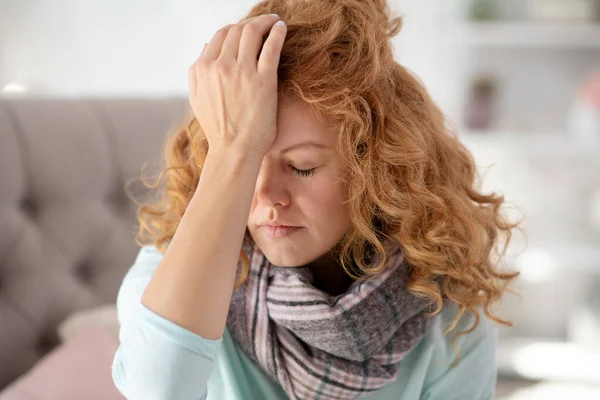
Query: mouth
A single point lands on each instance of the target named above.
(279, 231)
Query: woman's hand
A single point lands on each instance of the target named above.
(233, 91)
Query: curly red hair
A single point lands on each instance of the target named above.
(410, 180)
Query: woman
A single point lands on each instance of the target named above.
(319, 233)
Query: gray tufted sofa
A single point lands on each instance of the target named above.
(66, 225)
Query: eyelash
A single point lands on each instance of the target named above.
(303, 172)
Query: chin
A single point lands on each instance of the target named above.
(282, 260)
(281, 257)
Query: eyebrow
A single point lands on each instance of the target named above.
(306, 145)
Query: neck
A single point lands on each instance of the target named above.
(329, 276)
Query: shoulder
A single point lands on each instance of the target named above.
(148, 253)
(145, 262)
(485, 333)
(474, 376)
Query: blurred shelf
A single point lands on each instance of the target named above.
(553, 259)
(534, 145)
(529, 35)
(559, 158)
(548, 360)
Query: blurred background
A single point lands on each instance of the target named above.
(520, 80)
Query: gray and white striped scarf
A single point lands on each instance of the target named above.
(319, 346)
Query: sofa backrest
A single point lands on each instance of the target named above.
(67, 227)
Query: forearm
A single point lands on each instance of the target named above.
(193, 284)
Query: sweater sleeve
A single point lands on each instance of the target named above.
(474, 378)
(156, 358)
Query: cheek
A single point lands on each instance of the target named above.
(323, 203)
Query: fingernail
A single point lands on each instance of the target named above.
(274, 15)
(280, 23)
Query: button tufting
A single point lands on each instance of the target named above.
(44, 345)
(30, 207)
(84, 272)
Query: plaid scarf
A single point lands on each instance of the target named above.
(322, 347)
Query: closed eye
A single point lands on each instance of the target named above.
(303, 172)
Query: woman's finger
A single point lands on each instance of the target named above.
(252, 38)
(231, 44)
(268, 61)
(213, 49)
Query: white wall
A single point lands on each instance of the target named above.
(143, 48)
(135, 47)
(73, 47)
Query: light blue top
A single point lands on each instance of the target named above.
(158, 359)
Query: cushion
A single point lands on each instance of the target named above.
(104, 316)
(80, 368)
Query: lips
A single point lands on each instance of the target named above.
(279, 231)
(276, 224)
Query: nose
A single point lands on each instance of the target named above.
(271, 186)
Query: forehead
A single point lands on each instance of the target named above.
(296, 123)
